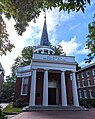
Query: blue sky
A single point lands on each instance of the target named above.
(68, 30)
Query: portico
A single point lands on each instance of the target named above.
(49, 79)
(50, 82)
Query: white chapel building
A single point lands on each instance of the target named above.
(49, 79)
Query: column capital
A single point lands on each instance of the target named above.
(46, 69)
(34, 69)
(62, 71)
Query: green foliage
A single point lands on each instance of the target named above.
(58, 50)
(10, 109)
(27, 54)
(23, 11)
(78, 67)
(2, 115)
(20, 102)
(8, 88)
(88, 103)
(5, 44)
(23, 60)
(90, 43)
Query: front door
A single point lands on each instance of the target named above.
(51, 96)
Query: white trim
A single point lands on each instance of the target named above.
(86, 86)
(93, 72)
(88, 82)
(25, 74)
(91, 93)
(83, 83)
(87, 73)
(77, 76)
(22, 85)
(82, 75)
(80, 94)
(78, 84)
(85, 93)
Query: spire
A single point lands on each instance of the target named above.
(44, 37)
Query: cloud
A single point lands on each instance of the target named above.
(18, 41)
(83, 51)
(74, 27)
(33, 34)
(71, 46)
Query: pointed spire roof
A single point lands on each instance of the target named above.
(44, 38)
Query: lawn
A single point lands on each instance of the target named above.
(10, 109)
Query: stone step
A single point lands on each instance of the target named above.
(51, 108)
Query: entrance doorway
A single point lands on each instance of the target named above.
(51, 96)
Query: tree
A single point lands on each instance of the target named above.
(90, 43)
(58, 50)
(78, 67)
(8, 88)
(23, 60)
(23, 11)
(5, 44)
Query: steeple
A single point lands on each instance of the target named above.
(44, 38)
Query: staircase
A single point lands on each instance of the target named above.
(54, 108)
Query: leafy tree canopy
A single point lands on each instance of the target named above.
(23, 60)
(90, 43)
(23, 11)
(5, 44)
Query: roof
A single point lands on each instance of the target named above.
(86, 67)
(44, 38)
(1, 68)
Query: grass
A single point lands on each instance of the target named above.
(10, 109)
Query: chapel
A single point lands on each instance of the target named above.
(49, 79)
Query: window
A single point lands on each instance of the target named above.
(45, 51)
(83, 83)
(91, 93)
(87, 73)
(82, 75)
(88, 82)
(78, 84)
(40, 51)
(51, 52)
(93, 72)
(80, 94)
(77, 76)
(24, 87)
(85, 93)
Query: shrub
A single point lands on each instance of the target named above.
(88, 103)
(2, 116)
(20, 102)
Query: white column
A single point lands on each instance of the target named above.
(42, 52)
(45, 89)
(48, 51)
(74, 89)
(63, 90)
(33, 88)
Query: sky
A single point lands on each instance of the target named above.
(68, 30)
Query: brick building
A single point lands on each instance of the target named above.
(86, 81)
(1, 78)
(49, 79)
